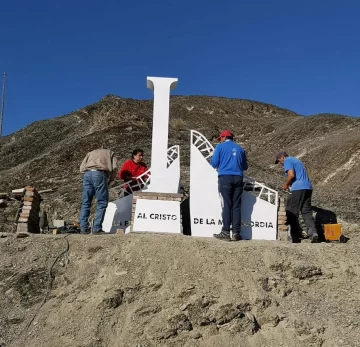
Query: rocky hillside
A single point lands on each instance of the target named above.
(48, 153)
(146, 290)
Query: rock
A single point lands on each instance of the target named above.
(145, 311)
(197, 335)
(242, 325)
(164, 329)
(250, 317)
(121, 273)
(183, 307)
(14, 319)
(227, 313)
(199, 311)
(302, 328)
(285, 292)
(179, 322)
(22, 235)
(306, 272)
(210, 331)
(269, 320)
(114, 299)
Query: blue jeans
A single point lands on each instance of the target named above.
(95, 183)
(230, 190)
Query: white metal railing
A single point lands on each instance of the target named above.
(143, 181)
(172, 154)
(250, 185)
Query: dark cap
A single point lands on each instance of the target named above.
(279, 155)
(225, 133)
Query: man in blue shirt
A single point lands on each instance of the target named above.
(300, 187)
(230, 161)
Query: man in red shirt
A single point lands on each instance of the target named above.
(132, 169)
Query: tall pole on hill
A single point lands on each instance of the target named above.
(2, 103)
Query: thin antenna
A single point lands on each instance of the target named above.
(2, 103)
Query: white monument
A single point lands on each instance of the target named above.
(259, 203)
(162, 177)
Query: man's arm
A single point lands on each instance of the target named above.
(289, 179)
(124, 173)
(114, 168)
(215, 159)
(82, 166)
(290, 170)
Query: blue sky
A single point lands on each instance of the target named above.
(60, 56)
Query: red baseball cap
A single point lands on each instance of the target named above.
(225, 133)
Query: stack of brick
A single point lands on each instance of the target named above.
(154, 196)
(28, 216)
(282, 227)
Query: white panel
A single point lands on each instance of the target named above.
(171, 178)
(157, 216)
(205, 207)
(118, 214)
(160, 131)
(259, 217)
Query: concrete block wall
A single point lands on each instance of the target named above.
(28, 217)
(282, 227)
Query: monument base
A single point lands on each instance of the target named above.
(156, 212)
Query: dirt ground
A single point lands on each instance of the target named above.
(145, 290)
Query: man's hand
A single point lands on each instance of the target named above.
(285, 186)
(289, 179)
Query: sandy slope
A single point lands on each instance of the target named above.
(159, 290)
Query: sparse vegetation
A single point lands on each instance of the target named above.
(177, 124)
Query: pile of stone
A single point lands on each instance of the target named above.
(282, 225)
(27, 218)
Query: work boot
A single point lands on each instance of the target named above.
(99, 232)
(295, 235)
(224, 236)
(314, 238)
(236, 237)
